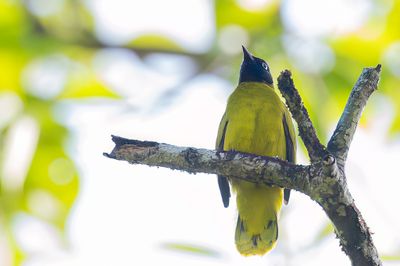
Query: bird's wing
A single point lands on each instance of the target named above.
(290, 139)
(222, 180)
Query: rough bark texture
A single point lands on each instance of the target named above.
(323, 180)
(260, 169)
(306, 129)
(340, 141)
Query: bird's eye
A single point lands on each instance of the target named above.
(264, 65)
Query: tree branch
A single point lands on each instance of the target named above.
(323, 180)
(340, 141)
(306, 129)
(250, 167)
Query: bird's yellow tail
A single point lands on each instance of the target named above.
(257, 224)
(256, 244)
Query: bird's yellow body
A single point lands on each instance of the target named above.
(256, 121)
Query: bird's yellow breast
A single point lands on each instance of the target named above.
(255, 126)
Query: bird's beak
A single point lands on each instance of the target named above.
(247, 56)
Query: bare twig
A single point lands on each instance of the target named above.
(306, 129)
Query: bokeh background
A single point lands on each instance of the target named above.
(74, 72)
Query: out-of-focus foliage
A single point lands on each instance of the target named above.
(37, 177)
(46, 58)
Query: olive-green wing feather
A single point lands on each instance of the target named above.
(290, 148)
(222, 180)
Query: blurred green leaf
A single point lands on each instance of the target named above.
(191, 249)
(155, 41)
(325, 231)
(11, 20)
(59, 191)
(387, 257)
(392, 30)
(228, 12)
(84, 83)
(12, 63)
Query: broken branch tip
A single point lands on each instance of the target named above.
(108, 155)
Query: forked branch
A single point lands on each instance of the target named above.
(323, 180)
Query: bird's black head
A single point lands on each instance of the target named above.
(254, 69)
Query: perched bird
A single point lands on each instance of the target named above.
(256, 121)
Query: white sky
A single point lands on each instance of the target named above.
(190, 23)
